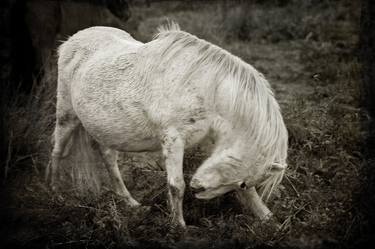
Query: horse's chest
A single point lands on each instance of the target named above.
(195, 133)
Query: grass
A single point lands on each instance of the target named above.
(306, 52)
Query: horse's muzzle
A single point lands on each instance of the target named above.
(196, 187)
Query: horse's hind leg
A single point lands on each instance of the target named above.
(109, 157)
(65, 126)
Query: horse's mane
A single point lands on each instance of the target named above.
(249, 104)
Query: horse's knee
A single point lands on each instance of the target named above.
(177, 187)
(56, 153)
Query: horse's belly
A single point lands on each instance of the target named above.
(136, 135)
(129, 138)
(121, 127)
(138, 145)
(140, 138)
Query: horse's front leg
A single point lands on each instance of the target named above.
(173, 151)
(251, 200)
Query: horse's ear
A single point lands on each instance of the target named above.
(277, 167)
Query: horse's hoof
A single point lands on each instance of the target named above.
(178, 226)
(131, 203)
(140, 210)
(134, 204)
(271, 221)
(267, 217)
(177, 231)
(267, 229)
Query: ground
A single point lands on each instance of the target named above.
(307, 52)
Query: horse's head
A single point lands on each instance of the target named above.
(231, 168)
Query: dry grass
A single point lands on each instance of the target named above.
(307, 52)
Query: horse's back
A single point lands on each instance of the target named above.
(99, 36)
(86, 43)
(85, 54)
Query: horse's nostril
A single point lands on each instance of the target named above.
(197, 190)
(196, 186)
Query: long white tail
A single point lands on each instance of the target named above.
(81, 164)
(86, 170)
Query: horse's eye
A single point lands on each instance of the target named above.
(243, 185)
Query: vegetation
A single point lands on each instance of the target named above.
(307, 51)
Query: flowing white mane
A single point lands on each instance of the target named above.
(249, 104)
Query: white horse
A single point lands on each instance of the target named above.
(167, 95)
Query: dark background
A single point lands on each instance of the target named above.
(318, 57)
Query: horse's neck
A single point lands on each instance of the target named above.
(218, 96)
(223, 132)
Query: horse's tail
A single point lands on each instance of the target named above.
(267, 186)
(86, 168)
(81, 163)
